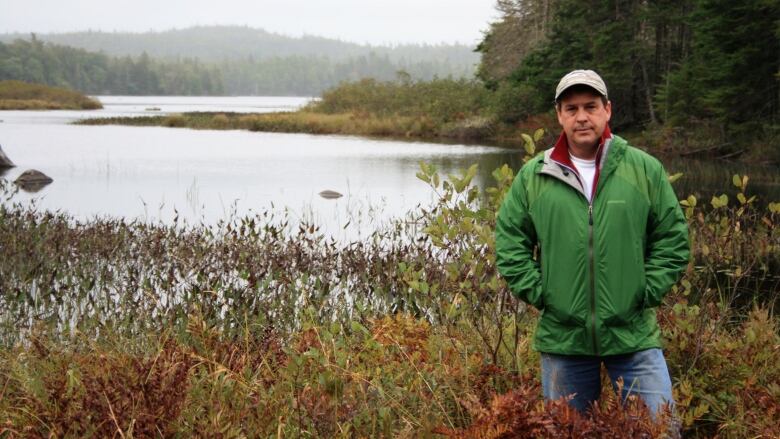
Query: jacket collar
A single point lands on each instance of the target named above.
(560, 152)
(559, 155)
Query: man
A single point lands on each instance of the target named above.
(593, 236)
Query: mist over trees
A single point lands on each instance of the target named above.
(96, 73)
(712, 65)
(220, 43)
(217, 60)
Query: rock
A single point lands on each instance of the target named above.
(330, 195)
(5, 162)
(32, 180)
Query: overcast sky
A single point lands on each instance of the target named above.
(361, 21)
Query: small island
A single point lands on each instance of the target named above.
(19, 95)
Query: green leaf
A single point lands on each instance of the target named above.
(457, 183)
(721, 201)
(737, 180)
(357, 327)
(675, 177)
(530, 147)
(469, 175)
(538, 134)
(689, 202)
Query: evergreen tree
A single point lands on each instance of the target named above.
(732, 73)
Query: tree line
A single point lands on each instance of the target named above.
(35, 60)
(708, 65)
(96, 73)
(220, 43)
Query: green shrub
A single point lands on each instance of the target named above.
(439, 99)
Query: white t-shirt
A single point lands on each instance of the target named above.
(587, 171)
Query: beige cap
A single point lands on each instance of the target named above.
(581, 77)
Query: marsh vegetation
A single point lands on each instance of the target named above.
(253, 327)
(18, 95)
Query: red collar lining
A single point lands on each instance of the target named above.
(560, 154)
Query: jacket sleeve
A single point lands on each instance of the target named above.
(668, 248)
(515, 241)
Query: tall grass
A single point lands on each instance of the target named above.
(18, 95)
(442, 108)
(443, 100)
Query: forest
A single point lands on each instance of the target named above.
(217, 61)
(710, 67)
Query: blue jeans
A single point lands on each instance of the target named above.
(644, 373)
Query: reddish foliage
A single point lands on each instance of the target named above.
(117, 393)
(521, 414)
(407, 333)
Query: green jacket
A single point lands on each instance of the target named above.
(595, 271)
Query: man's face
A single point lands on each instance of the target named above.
(583, 116)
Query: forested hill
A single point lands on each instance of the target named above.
(221, 43)
(217, 60)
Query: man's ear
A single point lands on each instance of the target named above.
(608, 109)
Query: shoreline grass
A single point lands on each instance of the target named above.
(309, 122)
(18, 95)
(444, 109)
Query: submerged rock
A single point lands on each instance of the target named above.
(5, 162)
(330, 195)
(33, 180)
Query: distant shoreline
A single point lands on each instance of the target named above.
(308, 122)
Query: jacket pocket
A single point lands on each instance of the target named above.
(563, 313)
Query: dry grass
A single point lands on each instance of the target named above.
(18, 95)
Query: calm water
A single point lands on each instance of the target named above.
(151, 173)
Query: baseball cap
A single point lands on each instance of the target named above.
(581, 77)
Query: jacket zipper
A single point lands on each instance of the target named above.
(591, 264)
(591, 261)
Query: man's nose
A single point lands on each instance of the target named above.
(582, 115)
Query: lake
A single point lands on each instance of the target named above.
(154, 173)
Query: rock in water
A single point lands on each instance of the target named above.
(5, 162)
(32, 180)
(330, 195)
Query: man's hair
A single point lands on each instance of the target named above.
(579, 88)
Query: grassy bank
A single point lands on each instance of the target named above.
(298, 122)
(440, 109)
(250, 327)
(18, 95)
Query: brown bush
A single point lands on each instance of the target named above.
(522, 414)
